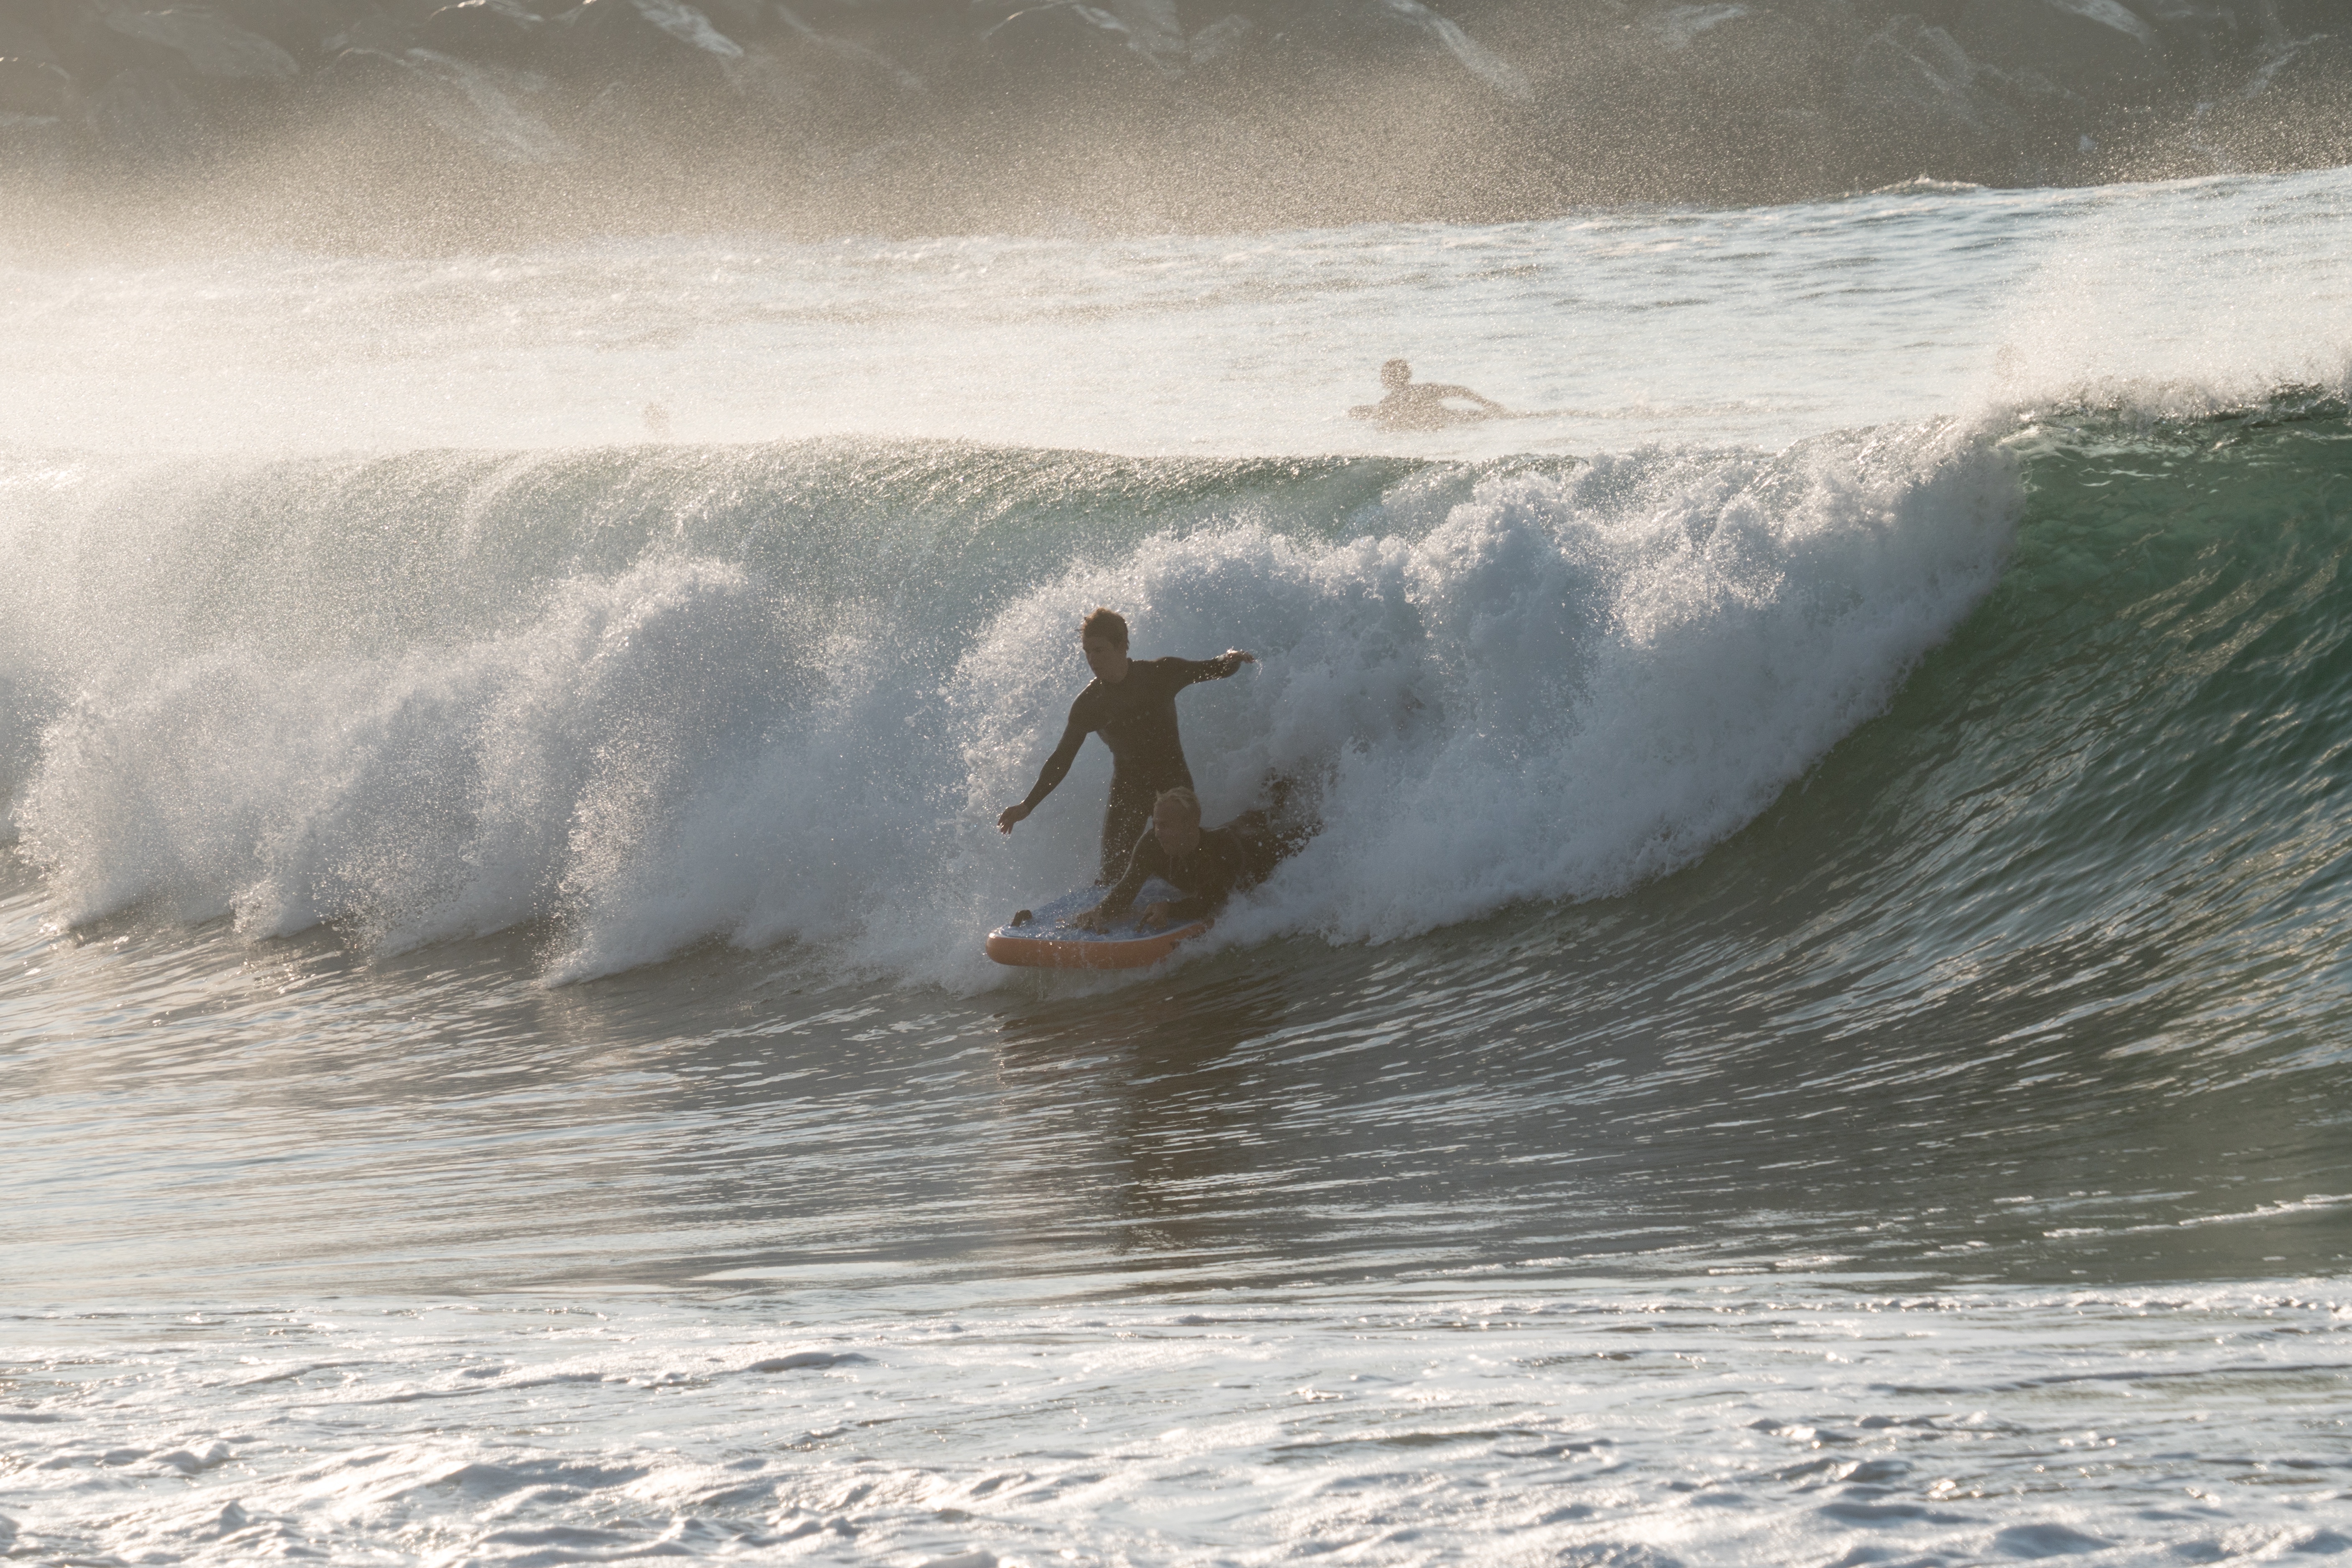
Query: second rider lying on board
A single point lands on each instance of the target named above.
(1207, 865)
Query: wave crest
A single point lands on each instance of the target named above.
(1529, 681)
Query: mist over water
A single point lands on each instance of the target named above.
(1813, 1031)
(1613, 327)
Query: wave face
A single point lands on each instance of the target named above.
(649, 697)
(2106, 815)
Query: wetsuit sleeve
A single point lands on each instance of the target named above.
(1189, 671)
(1057, 766)
(1147, 861)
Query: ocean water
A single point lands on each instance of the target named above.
(1815, 1030)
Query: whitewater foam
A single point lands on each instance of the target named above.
(1533, 681)
(1574, 683)
(1766, 1421)
(1759, 326)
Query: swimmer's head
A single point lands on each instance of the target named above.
(1395, 374)
(1176, 821)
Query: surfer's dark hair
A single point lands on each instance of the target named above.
(1182, 796)
(1108, 625)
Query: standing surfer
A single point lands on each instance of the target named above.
(1131, 704)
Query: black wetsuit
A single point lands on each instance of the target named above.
(1137, 720)
(1228, 860)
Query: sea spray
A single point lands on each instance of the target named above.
(434, 792)
(1575, 682)
(657, 719)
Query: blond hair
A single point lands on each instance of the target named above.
(1184, 798)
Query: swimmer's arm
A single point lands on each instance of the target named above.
(1056, 769)
(1204, 900)
(1488, 404)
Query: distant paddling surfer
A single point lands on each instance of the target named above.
(1422, 405)
(1131, 704)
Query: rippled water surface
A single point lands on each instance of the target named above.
(1513, 1095)
(1458, 1420)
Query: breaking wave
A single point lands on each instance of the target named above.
(637, 700)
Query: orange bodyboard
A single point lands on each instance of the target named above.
(1042, 941)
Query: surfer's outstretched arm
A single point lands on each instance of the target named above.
(1216, 668)
(1056, 769)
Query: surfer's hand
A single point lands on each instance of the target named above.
(1010, 814)
(1236, 658)
(1154, 915)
